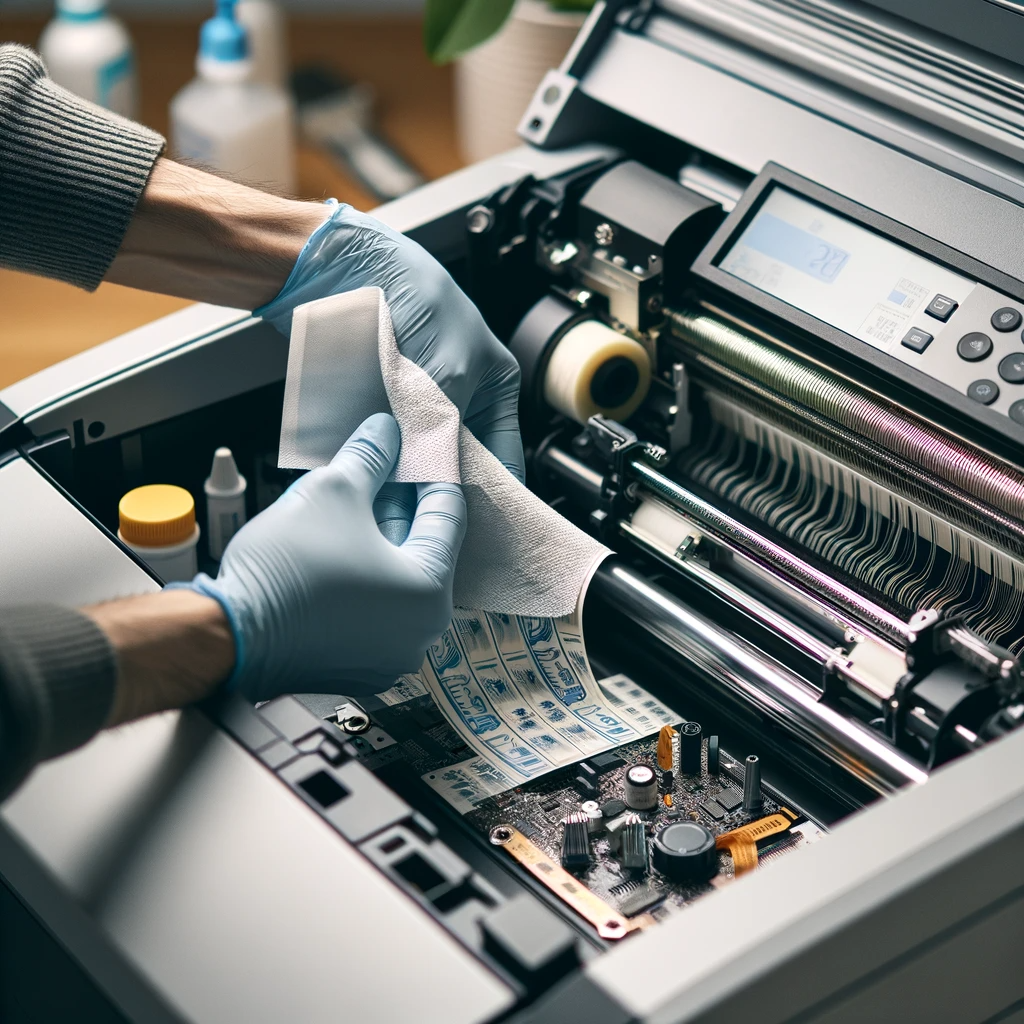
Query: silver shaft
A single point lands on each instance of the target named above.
(774, 690)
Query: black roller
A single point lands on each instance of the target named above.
(534, 339)
(685, 852)
(714, 756)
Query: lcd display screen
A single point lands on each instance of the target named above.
(839, 271)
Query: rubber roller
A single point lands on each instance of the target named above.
(594, 369)
(577, 364)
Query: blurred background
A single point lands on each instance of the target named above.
(374, 113)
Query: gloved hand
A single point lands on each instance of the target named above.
(436, 326)
(318, 599)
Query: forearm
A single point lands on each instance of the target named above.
(201, 237)
(172, 648)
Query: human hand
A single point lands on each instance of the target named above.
(318, 599)
(436, 325)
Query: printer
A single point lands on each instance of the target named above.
(760, 262)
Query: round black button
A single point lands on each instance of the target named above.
(1011, 368)
(1016, 412)
(685, 852)
(974, 346)
(984, 391)
(1006, 319)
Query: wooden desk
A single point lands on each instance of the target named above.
(42, 322)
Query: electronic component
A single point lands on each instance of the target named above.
(614, 830)
(586, 787)
(713, 809)
(742, 842)
(639, 900)
(640, 787)
(549, 805)
(666, 781)
(753, 801)
(730, 798)
(666, 760)
(690, 737)
(610, 924)
(612, 808)
(685, 852)
(595, 820)
(575, 842)
(634, 844)
(714, 756)
(603, 763)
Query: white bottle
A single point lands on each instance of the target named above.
(90, 53)
(225, 502)
(267, 31)
(226, 122)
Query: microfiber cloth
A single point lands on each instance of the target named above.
(520, 557)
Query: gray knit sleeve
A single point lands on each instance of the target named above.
(70, 175)
(58, 673)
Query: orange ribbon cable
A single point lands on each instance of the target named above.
(741, 843)
(665, 748)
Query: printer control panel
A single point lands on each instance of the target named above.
(881, 292)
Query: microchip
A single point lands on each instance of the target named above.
(713, 809)
(640, 900)
(586, 787)
(550, 805)
(730, 798)
(527, 828)
(612, 808)
(602, 763)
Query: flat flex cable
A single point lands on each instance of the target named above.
(741, 842)
(610, 924)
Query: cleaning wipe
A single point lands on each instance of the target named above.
(510, 674)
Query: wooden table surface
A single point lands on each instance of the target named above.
(42, 322)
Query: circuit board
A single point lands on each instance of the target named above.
(424, 740)
(538, 810)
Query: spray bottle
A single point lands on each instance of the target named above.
(89, 52)
(225, 121)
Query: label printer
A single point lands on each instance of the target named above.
(760, 263)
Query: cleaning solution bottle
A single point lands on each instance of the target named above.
(89, 52)
(225, 502)
(158, 522)
(228, 123)
(267, 31)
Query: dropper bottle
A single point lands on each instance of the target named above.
(225, 502)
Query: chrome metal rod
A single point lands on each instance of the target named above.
(737, 597)
(778, 693)
(769, 554)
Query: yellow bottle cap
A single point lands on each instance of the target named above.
(157, 515)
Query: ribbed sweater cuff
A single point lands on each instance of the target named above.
(71, 174)
(58, 673)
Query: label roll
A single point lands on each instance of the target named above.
(593, 369)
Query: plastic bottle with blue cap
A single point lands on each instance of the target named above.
(90, 52)
(226, 121)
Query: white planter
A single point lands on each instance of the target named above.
(495, 82)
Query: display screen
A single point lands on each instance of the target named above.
(838, 271)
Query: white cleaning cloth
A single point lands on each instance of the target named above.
(520, 557)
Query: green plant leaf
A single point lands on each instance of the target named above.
(451, 27)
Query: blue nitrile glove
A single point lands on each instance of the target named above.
(436, 325)
(319, 600)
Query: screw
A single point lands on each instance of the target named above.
(654, 303)
(479, 220)
(355, 724)
(603, 234)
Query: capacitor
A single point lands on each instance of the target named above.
(665, 751)
(752, 798)
(640, 787)
(575, 843)
(685, 852)
(634, 844)
(666, 781)
(689, 748)
(595, 819)
(714, 756)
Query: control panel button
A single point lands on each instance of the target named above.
(1006, 319)
(942, 307)
(974, 346)
(916, 339)
(984, 391)
(1011, 368)
(1016, 412)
